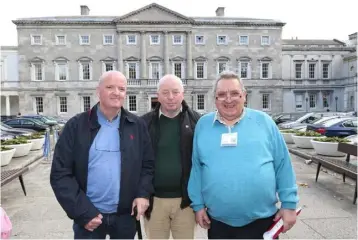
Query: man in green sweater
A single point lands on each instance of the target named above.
(171, 125)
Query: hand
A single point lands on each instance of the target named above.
(202, 218)
(94, 223)
(142, 205)
(288, 218)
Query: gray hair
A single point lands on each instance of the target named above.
(107, 74)
(170, 76)
(229, 75)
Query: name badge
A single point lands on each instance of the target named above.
(229, 139)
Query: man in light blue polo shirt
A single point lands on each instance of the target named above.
(240, 162)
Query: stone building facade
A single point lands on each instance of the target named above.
(60, 59)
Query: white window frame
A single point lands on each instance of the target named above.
(33, 72)
(263, 43)
(302, 101)
(135, 39)
(269, 74)
(315, 100)
(204, 68)
(104, 39)
(199, 43)
(248, 70)
(58, 42)
(35, 104)
(136, 67)
(181, 39)
(108, 62)
(315, 70)
(59, 104)
(3, 66)
(269, 102)
(328, 70)
(83, 102)
(296, 63)
(151, 39)
(80, 70)
(83, 35)
(245, 43)
(160, 66)
(33, 39)
(218, 66)
(182, 68)
(221, 35)
(197, 102)
(136, 103)
(57, 70)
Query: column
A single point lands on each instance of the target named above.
(120, 52)
(166, 53)
(143, 55)
(7, 105)
(319, 69)
(189, 57)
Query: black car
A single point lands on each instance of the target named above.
(27, 123)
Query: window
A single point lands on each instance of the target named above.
(86, 101)
(131, 39)
(264, 70)
(85, 71)
(199, 39)
(311, 70)
(155, 70)
(221, 39)
(200, 103)
(60, 40)
(200, 70)
(221, 67)
(298, 70)
(351, 102)
(132, 70)
(325, 70)
(132, 103)
(244, 69)
(312, 100)
(37, 71)
(107, 66)
(265, 40)
(36, 39)
(154, 39)
(266, 102)
(177, 39)
(244, 40)
(178, 69)
(63, 104)
(84, 40)
(61, 71)
(39, 105)
(299, 101)
(325, 100)
(2, 78)
(107, 39)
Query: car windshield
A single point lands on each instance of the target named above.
(38, 121)
(3, 125)
(331, 122)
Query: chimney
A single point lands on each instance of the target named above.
(220, 12)
(84, 10)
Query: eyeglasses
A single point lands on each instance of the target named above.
(234, 95)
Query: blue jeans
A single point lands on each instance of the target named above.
(117, 227)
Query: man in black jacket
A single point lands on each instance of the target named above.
(171, 126)
(103, 166)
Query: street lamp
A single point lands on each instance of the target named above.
(306, 104)
(336, 98)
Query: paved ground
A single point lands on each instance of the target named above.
(328, 212)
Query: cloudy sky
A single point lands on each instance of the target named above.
(305, 19)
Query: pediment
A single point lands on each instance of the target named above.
(37, 59)
(108, 59)
(154, 12)
(85, 59)
(267, 59)
(131, 59)
(177, 59)
(61, 59)
(244, 59)
(222, 58)
(155, 58)
(200, 59)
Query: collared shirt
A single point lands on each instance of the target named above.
(218, 118)
(179, 111)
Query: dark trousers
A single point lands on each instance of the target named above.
(117, 227)
(254, 230)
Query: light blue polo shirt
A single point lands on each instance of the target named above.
(104, 166)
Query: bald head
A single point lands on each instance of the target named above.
(111, 75)
(170, 78)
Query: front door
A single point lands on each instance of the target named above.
(153, 102)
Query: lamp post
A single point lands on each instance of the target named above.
(336, 98)
(306, 104)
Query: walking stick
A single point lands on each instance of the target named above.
(138, 226)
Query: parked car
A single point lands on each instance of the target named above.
(337, 127)
(303, 126)
(27, 123)
(285, 117)
(43, 119)
(19, 131)
(353, 139)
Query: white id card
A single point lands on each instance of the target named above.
(229, 139)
